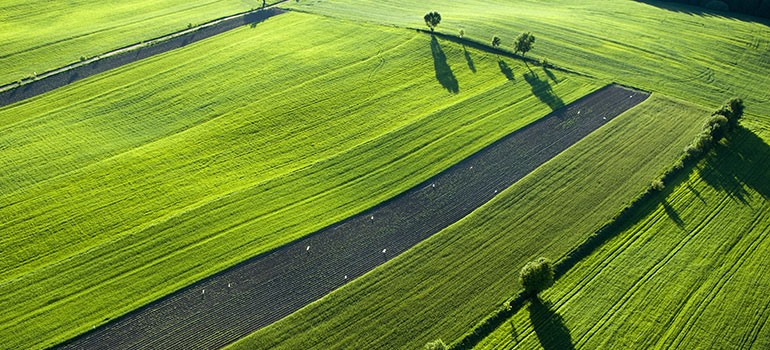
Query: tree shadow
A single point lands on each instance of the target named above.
(550, 74)
(739, 164)
(672, 214)
(543, 91)
(444, 73)
(549, 327)
(505, 69)
(469, 60)
(514, 332)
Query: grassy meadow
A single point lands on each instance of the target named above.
(689, 271)
(38, 35)
(128, 185)
(699, 57)
(123, 187)
(446, 284)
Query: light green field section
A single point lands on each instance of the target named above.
(446, 284)
(701, 58)
(40, 35)
(690, 271)
(125, 186)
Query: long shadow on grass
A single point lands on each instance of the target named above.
(549, 327)
(444, 73)
(469, 60)
(742, 162)
(543, 91)
(505, 69)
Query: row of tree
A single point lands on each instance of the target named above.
(523, 43)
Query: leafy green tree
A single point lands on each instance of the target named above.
(524, 43)
(432, 19)
(437, 344)
(496, 41)
(736, 110)
(537, 276)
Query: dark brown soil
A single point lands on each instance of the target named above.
(229, 305)
(120, 57)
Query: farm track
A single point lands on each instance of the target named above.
(51, 80)
(233, 303)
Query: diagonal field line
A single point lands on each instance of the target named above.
(234, 303)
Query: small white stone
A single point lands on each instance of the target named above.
(308, 248)
(384, 250)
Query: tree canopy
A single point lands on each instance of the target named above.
(432, 19)
(496, 41)
(537, 276)
(524, 43)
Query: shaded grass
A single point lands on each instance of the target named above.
(125, 186)
(703, 59)
(688, 271)
(440, 288)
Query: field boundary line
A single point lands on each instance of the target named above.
(30, 87)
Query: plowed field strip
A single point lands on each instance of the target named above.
(238, 301)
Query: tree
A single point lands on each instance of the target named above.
(536, 276)
(736, 110)
(496, 41)
(524, 43)
(437, 344)
(432, 19)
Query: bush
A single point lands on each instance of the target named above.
(657, 185)
(537, 276)
(437, 344)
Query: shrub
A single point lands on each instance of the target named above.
(537, 276)
(437, 344)
(657, 185)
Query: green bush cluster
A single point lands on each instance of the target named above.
(723, 121)
(536, 276)
(437, 344)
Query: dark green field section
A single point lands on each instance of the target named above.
(240, 300)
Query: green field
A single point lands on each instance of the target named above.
(446, 284)
(40, 35)
(689, 271)
(701, 58)
(128, 185)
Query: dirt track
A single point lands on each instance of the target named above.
(69, 74)
(225, 307)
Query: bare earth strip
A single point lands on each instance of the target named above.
(227, 306)
(69, 74)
